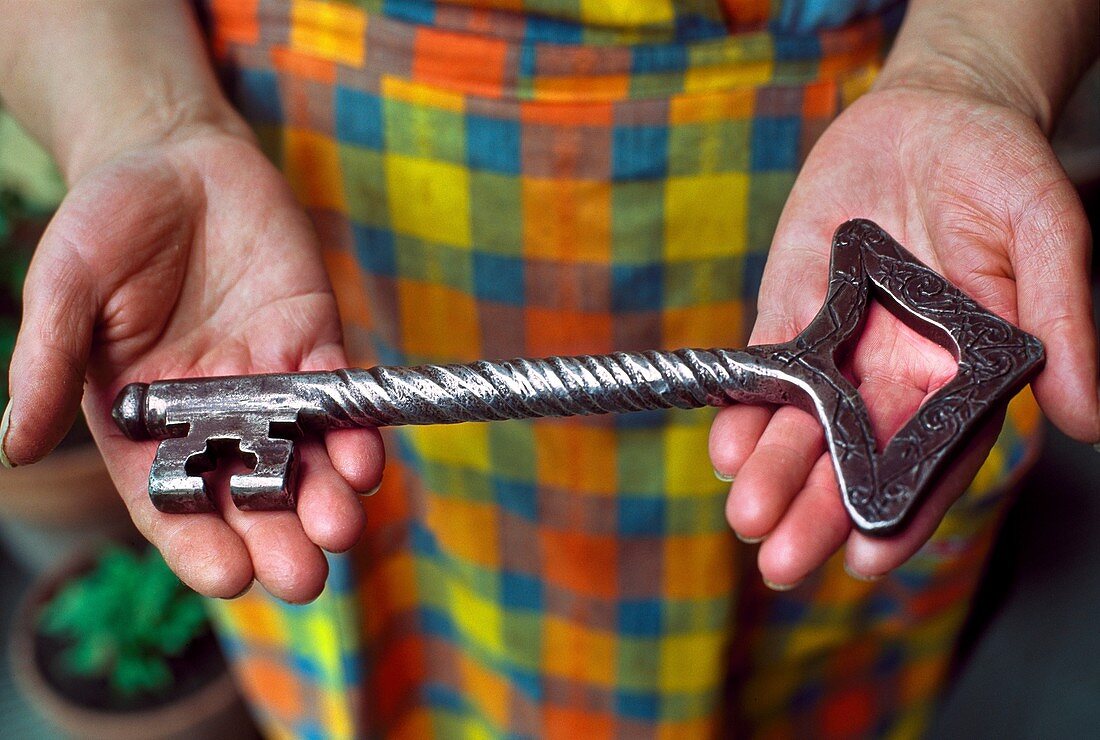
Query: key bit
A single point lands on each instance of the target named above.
(259, 417)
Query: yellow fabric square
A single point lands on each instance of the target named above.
(692, 662)
(705, 215)
(313, 169)
(617, 15)
(466, 530)
(688, 471)
(737, 104)
(429, 199)
(696, 566)
(576, 457)
(571, 651)
(702, 325)
(477, 620)
(421, 95)
(466, 446)
(438, 323)
(328, 30)
(487, 690)
(567, 219)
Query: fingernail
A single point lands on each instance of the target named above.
(723, 477)
(781, 586)
(372, 491)
(5, 423)
(859, 576)
(1095, 446)
(748, 540)
(245, 590)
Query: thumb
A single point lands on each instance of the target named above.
(46, 378)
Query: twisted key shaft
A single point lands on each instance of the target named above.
(261, 415)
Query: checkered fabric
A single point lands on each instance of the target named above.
(489, 184)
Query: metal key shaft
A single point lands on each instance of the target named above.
(260, 416)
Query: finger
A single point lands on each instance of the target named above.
(201, 549)
(46, 378)
(359, 456)
(812, 529)
(284, 559)
(733, 437)
(1052, 273)
(774, 473)
(872, 557)
(330, 510)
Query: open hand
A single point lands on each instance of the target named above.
(975, 192)
(189, 257)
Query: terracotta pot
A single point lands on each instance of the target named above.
(212, 711)
(58, 505)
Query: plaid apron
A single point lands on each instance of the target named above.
(579, 177)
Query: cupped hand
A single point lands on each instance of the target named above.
(975, 192)
(184, 258)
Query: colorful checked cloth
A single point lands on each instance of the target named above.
(549, 177)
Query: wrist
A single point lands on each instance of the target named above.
(143, 123)
(955, 62)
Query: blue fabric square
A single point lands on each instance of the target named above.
(422, 541)
(444, 697)
(375, 249)
(775, 143)
(640, 618)
(754, 272)
(412, 11)
(641, 515)
(258, 96)
(637, 287)
(493, 144)
(526, 681)
(436, 623)
(358, 118)
(639, 152)
(659, 58)
(644, 706)
(520, 591)
(498, 278)
(516, 497)
(543, 29)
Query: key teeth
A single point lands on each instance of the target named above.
(271, 485)
(185, 494)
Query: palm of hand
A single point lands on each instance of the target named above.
(974, 192)
(196, 261)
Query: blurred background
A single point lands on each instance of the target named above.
(121, 629)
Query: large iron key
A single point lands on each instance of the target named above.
(259, 417)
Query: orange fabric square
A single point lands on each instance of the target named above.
(392, 585)
(343, 271)
(487, 690)
(565, 723)
(592, 87)
(567, 332)
(707, 325)
(438, 323)
(235, 20)
(573, 456)
(465, 530)
(584, 563)
(271, 685)
(571, 650)
(313, 169)
(567, 219)
(566, 114)
(473, 62)
(302, 65)
(695, 566)
(819, 99)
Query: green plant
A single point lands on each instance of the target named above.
(124, 619)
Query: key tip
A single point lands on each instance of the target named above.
(129, 411)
